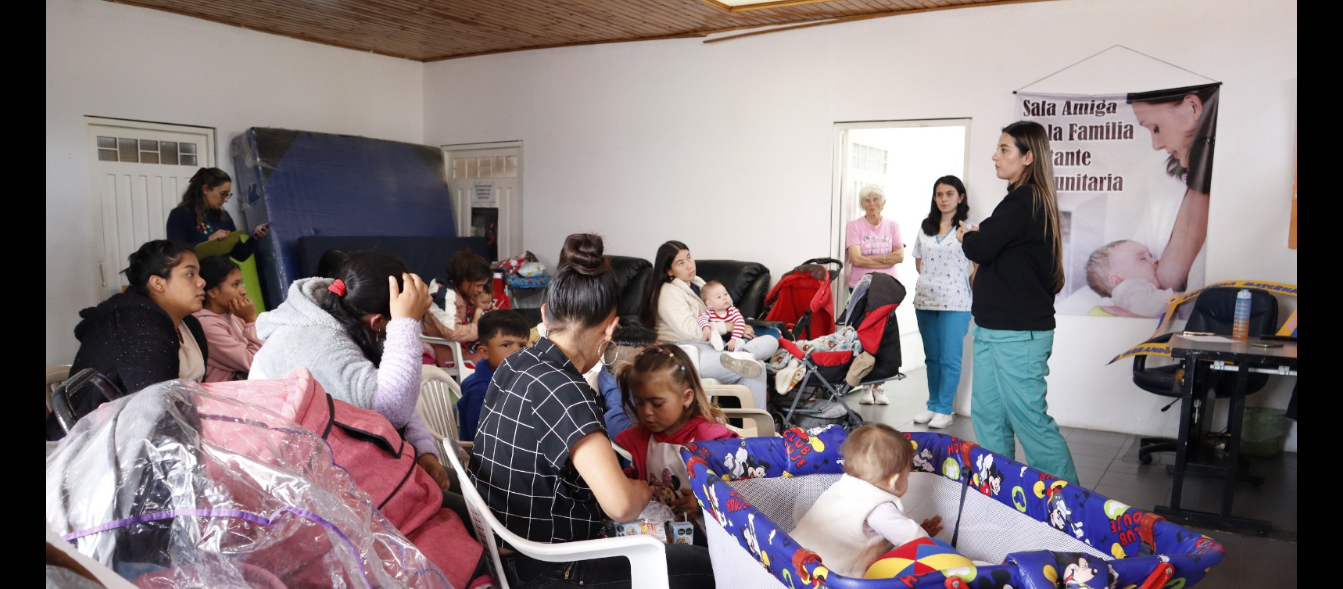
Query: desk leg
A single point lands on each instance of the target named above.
(1182, 446)
(1234, 418)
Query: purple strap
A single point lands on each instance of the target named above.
(229, 513)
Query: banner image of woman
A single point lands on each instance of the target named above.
(1134, 176)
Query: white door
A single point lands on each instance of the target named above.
(486, 185)
(139, 171)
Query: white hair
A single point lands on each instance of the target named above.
(872, 189)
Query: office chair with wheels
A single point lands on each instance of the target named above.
(1213, 312)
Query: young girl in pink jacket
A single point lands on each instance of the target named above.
(228, 319)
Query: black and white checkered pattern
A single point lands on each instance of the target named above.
(537, 407)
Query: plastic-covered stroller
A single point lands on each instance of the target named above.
(818, 398)
(803, 300)
(1045, 532)
(174, 486)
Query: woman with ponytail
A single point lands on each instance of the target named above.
(1019, 249)
(542, 459)
(201, 215)
(359, 335)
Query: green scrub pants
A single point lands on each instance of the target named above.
(1008, 398)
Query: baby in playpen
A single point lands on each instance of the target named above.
(860, 517)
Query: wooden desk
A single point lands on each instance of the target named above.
(1247, 358)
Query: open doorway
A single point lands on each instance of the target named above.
(904, 158)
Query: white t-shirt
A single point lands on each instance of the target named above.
(944, 281)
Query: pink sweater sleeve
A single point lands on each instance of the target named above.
(399, 372)
(228, 351)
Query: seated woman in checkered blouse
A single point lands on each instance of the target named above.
(542, 459)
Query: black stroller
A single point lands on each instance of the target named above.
(818, 398)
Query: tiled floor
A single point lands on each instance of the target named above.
(1107, 462)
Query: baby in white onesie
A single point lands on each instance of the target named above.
(860, 517)
(1124, 272)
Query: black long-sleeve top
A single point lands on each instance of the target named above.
(1013, 287)
(132, 341)
(182, 227)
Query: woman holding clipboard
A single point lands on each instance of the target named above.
(201, 217)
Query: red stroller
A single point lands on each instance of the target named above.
(803, 300)
(818, 398)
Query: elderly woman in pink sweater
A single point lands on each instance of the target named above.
(228, 319)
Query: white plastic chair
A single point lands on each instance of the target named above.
(756, 423)
(437, 403)
(56, 374)
(457, 360)
(647, 555)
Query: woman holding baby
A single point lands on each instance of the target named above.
(672, 306)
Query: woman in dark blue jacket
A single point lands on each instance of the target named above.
(201, 215)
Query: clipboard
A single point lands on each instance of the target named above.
(217, 247)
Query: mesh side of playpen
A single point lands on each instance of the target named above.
(1022, 524)
(989, 530)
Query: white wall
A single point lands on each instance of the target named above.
(642, 142)
(113, 60)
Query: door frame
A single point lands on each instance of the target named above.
(206, 160)
(461, 211)
(841, 214)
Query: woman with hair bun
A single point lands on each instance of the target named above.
(542, 459)
(145, 335)
(201, 216)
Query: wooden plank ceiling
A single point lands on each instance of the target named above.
(432, 30)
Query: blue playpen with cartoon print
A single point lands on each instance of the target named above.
(1038, 527)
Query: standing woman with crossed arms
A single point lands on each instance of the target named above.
(1019, 250)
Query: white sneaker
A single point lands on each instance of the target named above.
(747, 366)
(866, 399)
(924, 417)
(939, 421)
(880, 397)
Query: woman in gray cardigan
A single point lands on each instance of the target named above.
(359, 335)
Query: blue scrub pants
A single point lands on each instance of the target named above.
(1008, 398)
(943, 334)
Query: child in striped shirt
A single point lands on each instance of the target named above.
(722, 325)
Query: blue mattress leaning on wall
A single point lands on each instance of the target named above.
(753, 490)
(309, 184)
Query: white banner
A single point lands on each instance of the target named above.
(1132, 174)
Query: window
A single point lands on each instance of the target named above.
(146, 151)
(869, 159)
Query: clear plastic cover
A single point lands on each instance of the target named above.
(176, 487)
